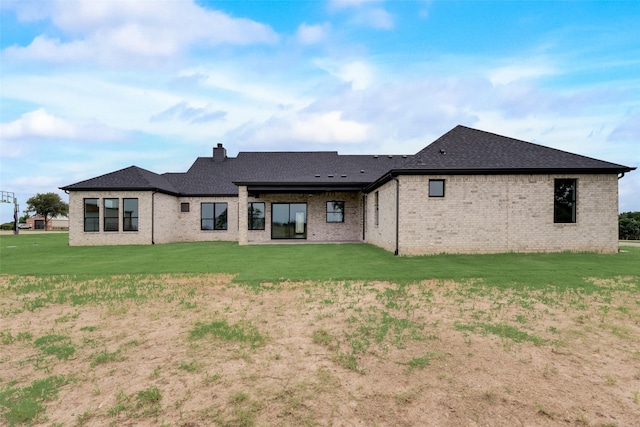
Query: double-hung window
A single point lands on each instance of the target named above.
(564, 201)
(213, 216)
(91, 215)
(335, 211)
(130, 215)
(111, 214)
(256, 216)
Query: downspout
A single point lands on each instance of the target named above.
(397, 215)
(153, 215)
(621, 176)
(364, 216)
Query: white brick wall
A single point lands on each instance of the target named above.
(318, 229)
(384, 233)
(502, 213)
(77, 235)
(479, 214)
(169, 224)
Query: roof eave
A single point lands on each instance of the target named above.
(151, 189)
(506, 171)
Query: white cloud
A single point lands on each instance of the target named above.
(365, 13)
(37, 123)
(118, 32)
(342, 4)
(376, 18)
(513, 73)
(312, 34)
(359, 74)
(629, 130)
(302, 129)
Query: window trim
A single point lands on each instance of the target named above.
(433, 193)
(85, 217)
(573, 203)
(250, 209)
(334, 212)
(106, 210)
(131, 218)
(216, 214)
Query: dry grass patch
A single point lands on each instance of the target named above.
(196, 350)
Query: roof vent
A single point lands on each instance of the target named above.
(219, 153)
(390, 156)
(317, 175)
(361, 170)
(343, 176)
(330, 176)
(404, 156)
(441, 151)
(375, 156)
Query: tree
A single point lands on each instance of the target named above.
(24, 217)
(629, 226)
(48, 205)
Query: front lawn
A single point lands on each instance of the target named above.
(49, 254)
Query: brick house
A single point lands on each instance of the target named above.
(56, 223)
(470, 191)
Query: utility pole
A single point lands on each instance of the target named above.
(9, 197)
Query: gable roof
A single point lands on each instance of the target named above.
(462, 150)
(131, 178)
(467, 149)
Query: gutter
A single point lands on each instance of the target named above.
(397, 215)
(153, 215)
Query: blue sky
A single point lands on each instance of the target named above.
(89, 87)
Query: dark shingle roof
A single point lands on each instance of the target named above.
(131, 178)
(303, 169)
(462, 150)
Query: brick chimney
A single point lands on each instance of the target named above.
(219, 153)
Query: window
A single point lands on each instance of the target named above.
(91, 215)
(256, 216)
(335, 211)
(184, 207)
(111, 215)
(564, 205)
(376, 199)
(436, 188)
(130, 214)
(213, 216)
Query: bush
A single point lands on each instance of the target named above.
(7, 226)
(629, 226)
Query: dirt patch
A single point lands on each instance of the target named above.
(343, 354)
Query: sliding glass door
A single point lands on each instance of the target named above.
(288, 220)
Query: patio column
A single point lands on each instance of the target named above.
(243, 215)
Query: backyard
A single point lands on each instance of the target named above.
(200, 334)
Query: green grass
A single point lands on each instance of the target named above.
(24, 405)
(57, 345)
(49, 254)
(240, 332)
